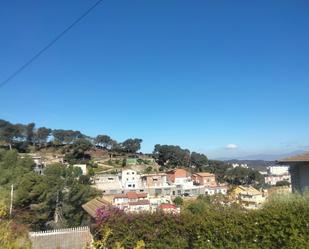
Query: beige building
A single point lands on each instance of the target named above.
(204, 178)
(248, 197)
(154, 180)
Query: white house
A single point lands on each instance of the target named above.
(217, 189)
(109, 184)
(242, 165)
(278, 170)
(130, 179)
(273, 179)
(132, 202)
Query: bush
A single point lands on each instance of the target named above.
(281, 223)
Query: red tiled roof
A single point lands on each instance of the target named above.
(167, 206)
(131, 195)
(140, 202)
(120, 196)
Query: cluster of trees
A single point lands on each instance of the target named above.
(279, 224)
(20, 136)
(171, 156)
(37, 198)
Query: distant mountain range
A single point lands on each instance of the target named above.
(264, 157)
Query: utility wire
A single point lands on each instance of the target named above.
(48, 45)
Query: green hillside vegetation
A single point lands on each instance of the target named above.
(37, 196)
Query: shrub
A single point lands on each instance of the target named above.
(281, 223)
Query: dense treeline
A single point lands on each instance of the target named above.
(38, 198)
(21, 136)
(281, 223)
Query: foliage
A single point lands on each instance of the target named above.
(10, 239)
(281, 223)
(104, 141)
(178, 201)
(243, 176)
(35, 196)
(42, 135)
(131, 145)
(78, 149)
(66, 136)
(3, 210)
(199, 160)
(283, 183)
(171, 156)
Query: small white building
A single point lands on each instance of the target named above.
(139, 206)
(218, 189)
(273, 179)
(132, 202)
(109, 184)
(278, 170)
(130, 179)
(242, 165)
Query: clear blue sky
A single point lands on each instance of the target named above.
(200, 74)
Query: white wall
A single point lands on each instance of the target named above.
(278, 169)
(130, 179)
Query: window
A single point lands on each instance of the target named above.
(129, 185)
(133, 185)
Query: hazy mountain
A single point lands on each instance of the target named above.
(263, 157)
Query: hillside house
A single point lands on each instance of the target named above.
(108, 183)
(273, 179)
(130, 179)
(216, 189)
(129, 197)
(299, 170)
(178, 176)
(169, 208)
(204, 178)
(132, 202)
(248, 197)
(154, 180)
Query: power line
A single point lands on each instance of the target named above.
(48, 45)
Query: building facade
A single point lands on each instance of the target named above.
(299, 170)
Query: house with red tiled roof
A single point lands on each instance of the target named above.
(169, 208)
(299, 170)
(204, 178)
(132, 201)
(178, 176)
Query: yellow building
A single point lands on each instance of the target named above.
(248, 197)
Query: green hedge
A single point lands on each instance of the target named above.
(281, 223)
